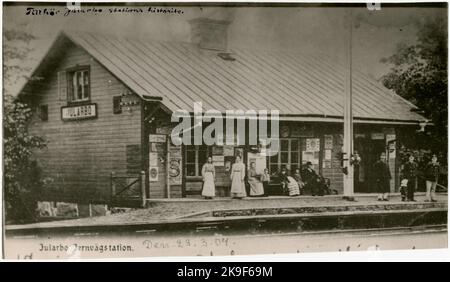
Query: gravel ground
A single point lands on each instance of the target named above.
(160, 210)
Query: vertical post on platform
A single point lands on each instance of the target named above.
(113, 186)
(168, 168)
(143, 197)
(348, 113)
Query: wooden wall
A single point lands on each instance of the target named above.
(81, 154)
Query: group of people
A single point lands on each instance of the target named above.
(308, 180)
(237, 175)
(409, 174)
(292, 185)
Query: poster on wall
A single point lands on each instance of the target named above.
(153, 159)
(313, 144)
(175, 173)
(259, 160)
(312, 157)
(153, 174)
(328, 142)
(327, 154)
(338, 139)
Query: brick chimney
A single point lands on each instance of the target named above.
(209, 33)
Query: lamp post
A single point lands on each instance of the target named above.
(348, 113)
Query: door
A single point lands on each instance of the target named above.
(369, 150)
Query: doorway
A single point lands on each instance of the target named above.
(369, 150)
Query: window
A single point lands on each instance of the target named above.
(117, 108)
(289, 156)
(196, 156)
(43, 112)
(78, 85)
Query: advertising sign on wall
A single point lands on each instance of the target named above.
(153, 174)
(175, 173)
(313, 144)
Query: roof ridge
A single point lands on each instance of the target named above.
(123, 36)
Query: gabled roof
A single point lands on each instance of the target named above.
(296, 84)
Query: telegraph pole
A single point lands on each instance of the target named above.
(348, 113)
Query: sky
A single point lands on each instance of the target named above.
(302, 28)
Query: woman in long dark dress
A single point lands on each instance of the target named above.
(382, 177)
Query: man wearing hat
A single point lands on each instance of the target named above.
(431, 176)
(410, 173)
(382, 176)
(311, 180)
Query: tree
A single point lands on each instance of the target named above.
(22, 180)
(419, 74)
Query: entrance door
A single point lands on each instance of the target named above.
(369, 151)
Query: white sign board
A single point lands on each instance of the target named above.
(377, 136)
(79, 112)
(157, 138)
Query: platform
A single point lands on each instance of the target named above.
(272, 213)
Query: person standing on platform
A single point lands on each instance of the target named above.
(237, 179)
(410, 173)
(265, 179)
(209, 175)
(431, 176)
(382, 177)
(254, 180)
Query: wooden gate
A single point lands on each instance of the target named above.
(128, 190)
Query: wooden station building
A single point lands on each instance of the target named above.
(104, 105)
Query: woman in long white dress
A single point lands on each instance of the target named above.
(237, 179)
(254, 180)
(209, 174)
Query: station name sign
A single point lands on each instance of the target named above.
(79, 112)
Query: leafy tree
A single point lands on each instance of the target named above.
(419, 74)
(22, 180)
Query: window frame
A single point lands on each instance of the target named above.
(43, 112)
(70, 89)
(197, 149)
(279, 164)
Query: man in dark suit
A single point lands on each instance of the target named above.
(382, 177)
(410, 172)
(312, 180)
